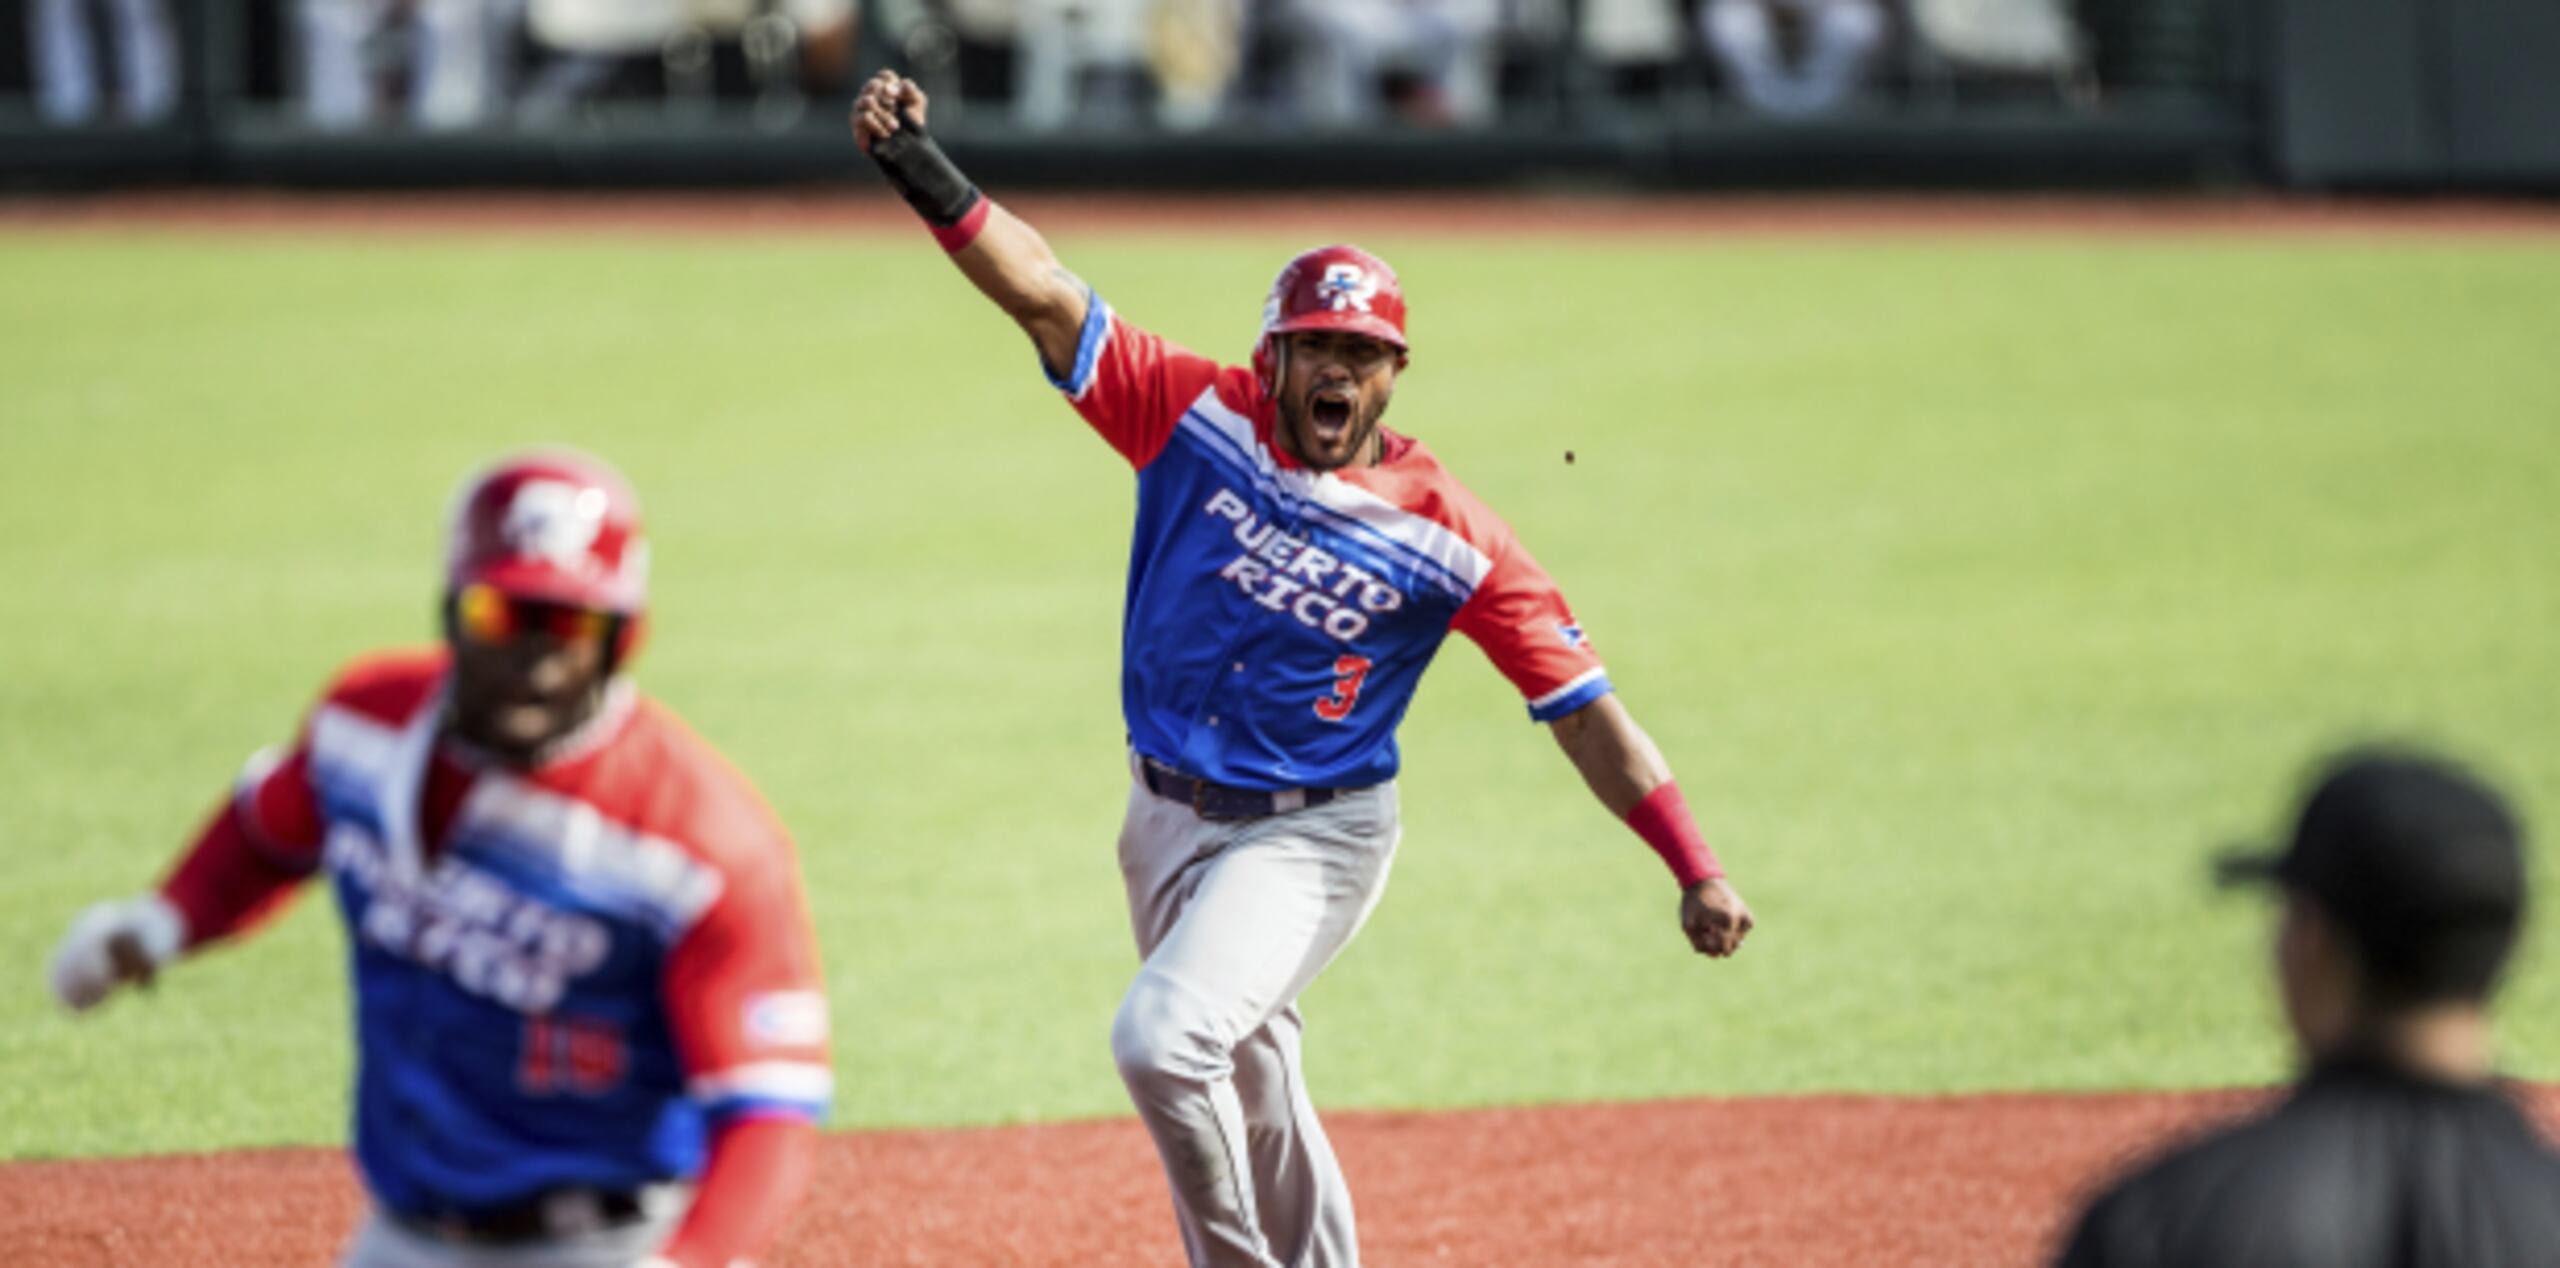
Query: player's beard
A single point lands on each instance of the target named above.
(1332, 429)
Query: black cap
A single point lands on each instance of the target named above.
(2418, 860)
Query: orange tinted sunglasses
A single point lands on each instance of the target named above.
(486, 614)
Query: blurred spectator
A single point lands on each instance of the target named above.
(827, 31)
(782, 49)
(446, 59)
(686, 52)
(1345, 47)
(1095, 60)
(1631, 40)
(1835, 44)
(68, 70)
(1077, 57)
(2021, 41)
(588, 40)
(1196, 48)
(960, 51)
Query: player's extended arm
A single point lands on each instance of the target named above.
(748, 1013)
(222, 885)
(1008, 260)
(1626, 772)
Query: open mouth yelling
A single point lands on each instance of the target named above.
(1329, 411)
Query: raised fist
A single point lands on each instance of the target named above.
(885, 99)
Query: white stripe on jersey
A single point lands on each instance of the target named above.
(354, 747)
(354, 758)
(566, 837)
(1420, 539)
(1258, 473)
(1431, 539)
(1577, 683)
(777, 1080)
(1256, 469)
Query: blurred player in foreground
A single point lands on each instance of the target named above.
(2404, 890)
(1295, 569)
(589, 1021)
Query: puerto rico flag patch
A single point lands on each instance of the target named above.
(1571, 633)
(787, 1019)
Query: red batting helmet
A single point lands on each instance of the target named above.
(554, 525)
(1339, 287)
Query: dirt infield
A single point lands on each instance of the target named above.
(864, 209)
(1796, 1180)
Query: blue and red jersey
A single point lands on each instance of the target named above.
(562, 976)
(1279, 618)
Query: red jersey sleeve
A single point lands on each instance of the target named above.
(1130, 385)
(744, 996)
(1520, 620)
(254, 851)
(278, 808)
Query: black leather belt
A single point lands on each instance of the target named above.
(552, 1215)
(1221, 801)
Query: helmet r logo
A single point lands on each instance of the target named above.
(553, 520)
(1347, 286)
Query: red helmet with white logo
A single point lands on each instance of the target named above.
(1339, 287)
(554, 525)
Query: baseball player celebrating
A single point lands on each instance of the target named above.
(583, 971)
(1295, 567)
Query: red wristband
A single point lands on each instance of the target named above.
(955, 236)
(1662, 819)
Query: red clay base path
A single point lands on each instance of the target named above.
(1798, 1181)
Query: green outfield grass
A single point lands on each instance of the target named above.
(1979, 591)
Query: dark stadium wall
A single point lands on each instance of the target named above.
(2502, 91)
(2414, 93)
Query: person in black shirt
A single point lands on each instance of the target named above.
(2403, 891)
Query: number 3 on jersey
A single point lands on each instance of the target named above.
(1351, 671)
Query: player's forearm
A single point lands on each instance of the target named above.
(1620, 764)
(756, 1173)
(1004, 257)
(1012, 265)
(1617, 760)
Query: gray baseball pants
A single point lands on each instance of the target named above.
(1234, 920)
